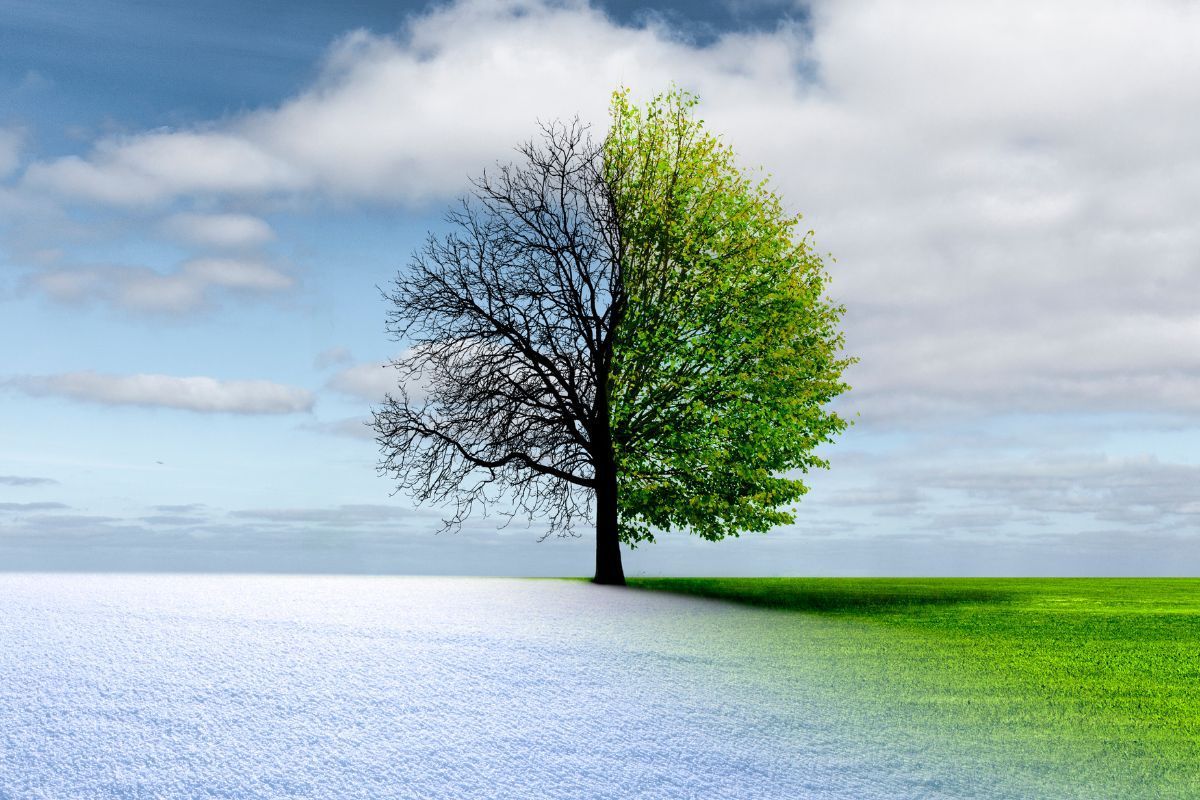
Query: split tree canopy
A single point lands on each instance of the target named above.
(632, 328)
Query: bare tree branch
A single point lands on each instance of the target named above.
(509, 319)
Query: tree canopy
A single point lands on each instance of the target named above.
(633, 326)
(728, 352)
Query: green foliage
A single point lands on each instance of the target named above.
(727, 350)
(1088, 683)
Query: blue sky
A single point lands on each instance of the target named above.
(197, 203)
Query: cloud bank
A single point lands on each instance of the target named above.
(25, 480)
(187, 288)
(200, 394)
(1006, 189)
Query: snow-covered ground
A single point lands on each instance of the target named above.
(382, 687)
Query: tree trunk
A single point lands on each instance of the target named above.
(608, 545)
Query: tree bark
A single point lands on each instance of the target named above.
(608, 544)
(608, 541)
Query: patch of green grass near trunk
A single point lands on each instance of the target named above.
(1091, 684)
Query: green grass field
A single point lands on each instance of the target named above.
(1092, 685)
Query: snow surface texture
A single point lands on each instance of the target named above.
(381, 687)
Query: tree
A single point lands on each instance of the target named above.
(631, 325)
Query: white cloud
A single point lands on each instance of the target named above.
(186, 289)
(404, 118)
(233, 231)
(369, 381)
(1008, 189)
(201, 394)
(155, 166)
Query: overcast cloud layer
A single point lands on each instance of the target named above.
(1008, 189)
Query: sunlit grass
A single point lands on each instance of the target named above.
(1093, 684)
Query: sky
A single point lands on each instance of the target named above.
(199, 203)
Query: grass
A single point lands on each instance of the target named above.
(1091, 684)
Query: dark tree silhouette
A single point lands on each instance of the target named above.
(510, 321)
(632, 322)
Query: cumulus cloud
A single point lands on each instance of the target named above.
(188, 288)
(200, 394)
(232, 231)
(403, 117)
